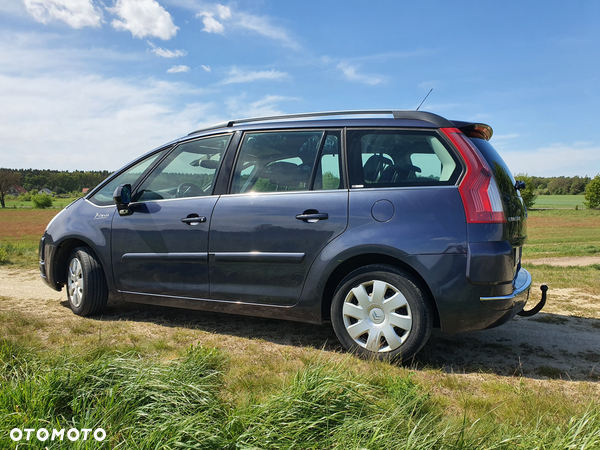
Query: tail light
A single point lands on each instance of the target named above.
(478, 189)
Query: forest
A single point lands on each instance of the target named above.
(58, 181)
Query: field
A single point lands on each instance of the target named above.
(57, 203)
(559, 201)
(164, 378)
(560, 233)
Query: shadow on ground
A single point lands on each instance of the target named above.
(543, 346)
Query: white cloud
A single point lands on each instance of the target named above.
(211, 25)
(224, 12)
(264, 27)
(554, 160)
(178, 69)
(13, 7)
(108, 122)
(205, 68)
(143, 18)
(351, 73)
(261, 25)
(238, 76)
(75, 13)
(164, 53)
(29, 53)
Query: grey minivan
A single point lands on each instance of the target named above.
(386, 223)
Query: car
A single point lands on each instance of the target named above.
(385, 223)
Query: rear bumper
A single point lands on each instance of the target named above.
(518, 298)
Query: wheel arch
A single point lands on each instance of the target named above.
(63, 251)
(357, 261)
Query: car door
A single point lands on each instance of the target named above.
(161, 248)
(286, 202)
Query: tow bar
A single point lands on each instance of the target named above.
(537, 308)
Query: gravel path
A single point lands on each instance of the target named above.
(563, 341)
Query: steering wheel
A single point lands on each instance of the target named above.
(187, 189)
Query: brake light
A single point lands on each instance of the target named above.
(478, 189)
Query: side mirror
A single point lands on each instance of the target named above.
(122, 198)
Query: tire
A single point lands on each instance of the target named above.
(378, 311)
(86, 286)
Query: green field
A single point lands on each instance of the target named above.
(559, 201)
(57, 203)
(160, 378)
(558, 232)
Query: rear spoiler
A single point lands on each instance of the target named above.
(475, 130)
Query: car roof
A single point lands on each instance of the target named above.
(420, 119)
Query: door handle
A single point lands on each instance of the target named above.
(312, 216)
(194, 219)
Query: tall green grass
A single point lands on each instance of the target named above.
(24, 254)
(146, 403)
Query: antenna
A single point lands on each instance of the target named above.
(425, 98)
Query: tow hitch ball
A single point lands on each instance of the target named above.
(537, 308)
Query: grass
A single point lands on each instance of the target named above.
(559, 201)
(573, 277)
(20, 232)
(547, 236)
(57, 203)
(144, 402)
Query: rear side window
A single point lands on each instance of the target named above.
(400, 158)
(288, 161)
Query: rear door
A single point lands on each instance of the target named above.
(515, 229)
(286, 202)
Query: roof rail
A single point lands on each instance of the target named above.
(397, 114)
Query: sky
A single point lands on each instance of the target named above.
(93, 84)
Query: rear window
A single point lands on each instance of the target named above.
(400, 158)
(494, 159)
(504, 178)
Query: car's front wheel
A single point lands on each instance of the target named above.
(378, 311)
(86, 286)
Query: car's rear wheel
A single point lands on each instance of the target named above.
(378, 311)
(86, 286)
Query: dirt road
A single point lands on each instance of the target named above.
(563, 341)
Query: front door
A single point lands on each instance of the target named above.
(161, 248)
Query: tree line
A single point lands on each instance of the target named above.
(58, 181)
(62, 182)
(535, 186)
(558, 185)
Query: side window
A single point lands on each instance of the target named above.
(104, 196)
(188, 171)
(397, 158)
(285, 161)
